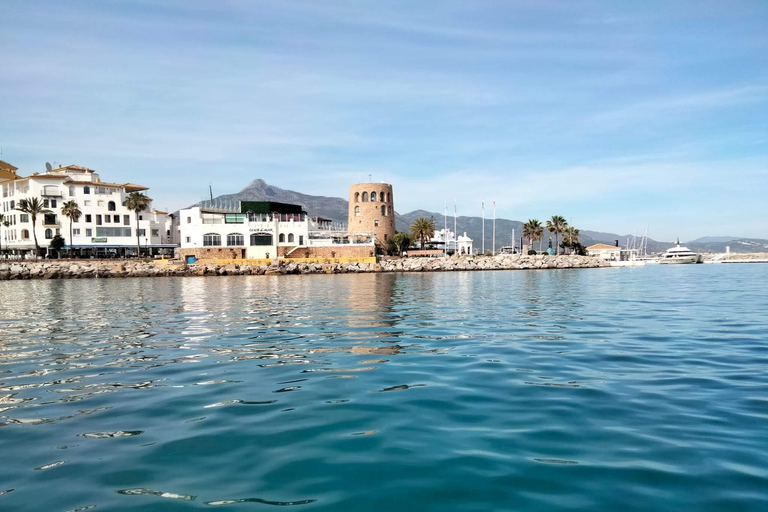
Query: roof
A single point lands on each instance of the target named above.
(269, 207)
(130, 187)
(601, 246)
(72, 168)
(42, 176)
(5, 166)
(160, 212)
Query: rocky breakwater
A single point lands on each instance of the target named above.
(18, 270)
(500, 262)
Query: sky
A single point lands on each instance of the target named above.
(619, 116)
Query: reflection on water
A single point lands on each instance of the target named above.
(598, 389)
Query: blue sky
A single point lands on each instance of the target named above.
(616, 115)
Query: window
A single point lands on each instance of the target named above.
(189, 239)
(373, 197)
(86, 190)
(46, 203)
(365, 197)
(235, 239)
(357, 211)
(88, 232)
(107, 219)
(71, 191)
(126, 220)
(357, 197)
(189, 220)
(111, 206)
(76, 232)
(383, 197)
(24, 217)
(281, 238)
(234, 218)
(49, 219)
(261, 239)
(143, 232)
(53, 203)
(87, 202)
(386, 236)
(383, 211)
(116, 219)
(99, 203)
(88, 217)
(113, 231)
(290, 238)
(211, 239)
(301, 239)
(49, 234)
(98, 220)
(155, 232)
(25, 234)
(376, 223)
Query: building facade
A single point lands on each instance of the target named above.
(605, 251)
(265, 230)
(106, 227)
(372, 212)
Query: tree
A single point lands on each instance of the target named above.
(571, 238)
(557, 225)
(137, 202)
(422, 229)
(33, 207)
(532, 230)
(57, 242)
(71, 210)
(400, 242)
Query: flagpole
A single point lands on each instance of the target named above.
(445, 230)
(482, 206)
(493, 253)
(455, 235)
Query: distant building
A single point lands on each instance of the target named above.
(445, 238)
(265, 230)
(7, 171)
(105, 229)
(605, 251)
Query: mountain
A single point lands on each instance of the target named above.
(336, 208)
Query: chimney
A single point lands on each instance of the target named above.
(616, 244)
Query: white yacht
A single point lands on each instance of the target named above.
(679, 254)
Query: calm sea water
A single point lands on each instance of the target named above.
(601, 390)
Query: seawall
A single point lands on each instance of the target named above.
(84, 269)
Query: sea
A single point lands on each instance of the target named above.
(632, 389)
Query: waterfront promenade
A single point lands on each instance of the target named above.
(83, 269)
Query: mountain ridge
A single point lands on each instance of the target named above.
(336, 209)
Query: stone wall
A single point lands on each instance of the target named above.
(111, 269)
(342, 251)
(215, 253)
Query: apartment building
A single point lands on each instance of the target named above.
(105, 229)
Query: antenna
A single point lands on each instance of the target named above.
(210, 189)
(370, 178)
(48, 166)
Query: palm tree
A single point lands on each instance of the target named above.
(137, 202)
(557, 225)
(532, 230)
(570, 237)
(33, 206)
(422, 228)
(401, 242)
(71, 210)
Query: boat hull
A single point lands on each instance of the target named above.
(679, 260)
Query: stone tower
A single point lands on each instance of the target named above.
(372, 211)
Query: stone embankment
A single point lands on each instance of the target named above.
(17, 270)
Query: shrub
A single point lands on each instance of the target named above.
(531, 252)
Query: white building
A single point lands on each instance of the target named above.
(264, 230)
(447, 238)
(605, 251)
(105, 229)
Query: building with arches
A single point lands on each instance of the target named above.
(106, 227)
(372, 212)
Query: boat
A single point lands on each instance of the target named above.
(679, 254)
